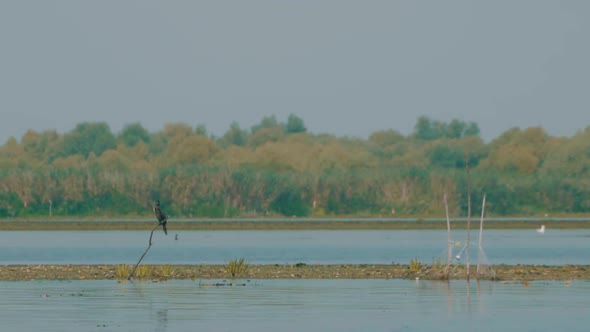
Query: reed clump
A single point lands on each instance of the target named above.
(415, 265)
(166, 271)
(437, 265)
(144, 272)
(236, 267)
(122, 271)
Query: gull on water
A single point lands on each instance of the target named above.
(541, 230)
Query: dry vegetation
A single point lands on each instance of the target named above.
(296, 271)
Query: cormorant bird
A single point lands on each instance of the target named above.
(161, 216)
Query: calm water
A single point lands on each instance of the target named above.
(294, 305)
(555, 247)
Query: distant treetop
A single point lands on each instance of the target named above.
(428, 129)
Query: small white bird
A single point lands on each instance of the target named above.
(458, 257)
(541, 230)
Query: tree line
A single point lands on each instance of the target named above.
(280, 169)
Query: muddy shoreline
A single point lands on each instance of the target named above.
(299, 271)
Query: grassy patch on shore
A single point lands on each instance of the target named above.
(296, 271)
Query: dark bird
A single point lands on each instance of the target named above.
(161, 216)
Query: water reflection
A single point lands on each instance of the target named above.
(162, 320)
(294, 305)
(161, 314)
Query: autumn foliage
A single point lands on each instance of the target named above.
(280, 169)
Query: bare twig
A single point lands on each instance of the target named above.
(145, 252)
(449, 241)
(480, 245)
(467, 263)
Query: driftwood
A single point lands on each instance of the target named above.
(145, 252)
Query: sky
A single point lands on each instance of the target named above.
(347, 68)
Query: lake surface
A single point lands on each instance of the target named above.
(294, 305)
(555, 247)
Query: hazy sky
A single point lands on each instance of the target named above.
(347, 68)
